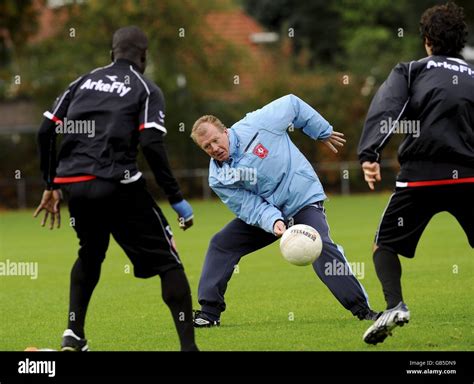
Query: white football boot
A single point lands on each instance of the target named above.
(383, 326)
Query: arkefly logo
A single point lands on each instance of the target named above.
(115, 86)
(460, 67)
(260, 151)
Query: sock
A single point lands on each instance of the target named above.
(389, 272)
(177, 296)
(84, 278)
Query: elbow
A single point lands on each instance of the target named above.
(46, 130)
(149, 138)
(43, 133)
(295, 102)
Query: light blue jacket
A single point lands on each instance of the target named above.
(266, 177)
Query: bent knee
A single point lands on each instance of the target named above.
(218, 240)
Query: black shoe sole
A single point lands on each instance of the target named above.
(379, 335)
(73, 349)
(206, 326)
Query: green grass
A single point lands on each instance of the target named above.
(128, 314)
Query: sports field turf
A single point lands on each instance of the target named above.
(271, 305)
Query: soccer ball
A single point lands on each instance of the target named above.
(301, 245)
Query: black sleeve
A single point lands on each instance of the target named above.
(47, 138)
(387, 107)
(152, 130)
(47, 152)
(152, 111)
(153, 147)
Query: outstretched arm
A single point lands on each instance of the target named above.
(153, 147)
(152, 132)
(290, 111)
(387, 108)
(51, 199)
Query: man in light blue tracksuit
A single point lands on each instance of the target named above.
(259, 173)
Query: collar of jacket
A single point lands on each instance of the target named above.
(126, 63)
(234, 145)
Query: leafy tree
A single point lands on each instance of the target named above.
(18, 22)
(313, 25)
(360, 36)
(185, 58)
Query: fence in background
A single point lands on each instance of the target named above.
(337, 177)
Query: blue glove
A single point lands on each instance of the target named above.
(185, 213)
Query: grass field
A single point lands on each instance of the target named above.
(271, 305)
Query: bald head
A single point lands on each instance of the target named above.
(130, 43)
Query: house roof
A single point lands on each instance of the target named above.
(234, 25)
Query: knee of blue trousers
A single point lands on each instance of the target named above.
(213, 260)
(330, 251)
(218, 242)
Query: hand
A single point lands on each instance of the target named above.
(371, 173)
(336, 138)
(279, 228)
(50, 201)
(185, 214)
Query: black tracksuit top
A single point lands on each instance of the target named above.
(103, 116)
(431, 101)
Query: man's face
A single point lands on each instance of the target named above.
(214, 142)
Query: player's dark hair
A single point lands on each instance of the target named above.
(129, 43)
(445, 29)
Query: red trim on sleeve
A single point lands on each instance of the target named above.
(73, 179)
(439, 182)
